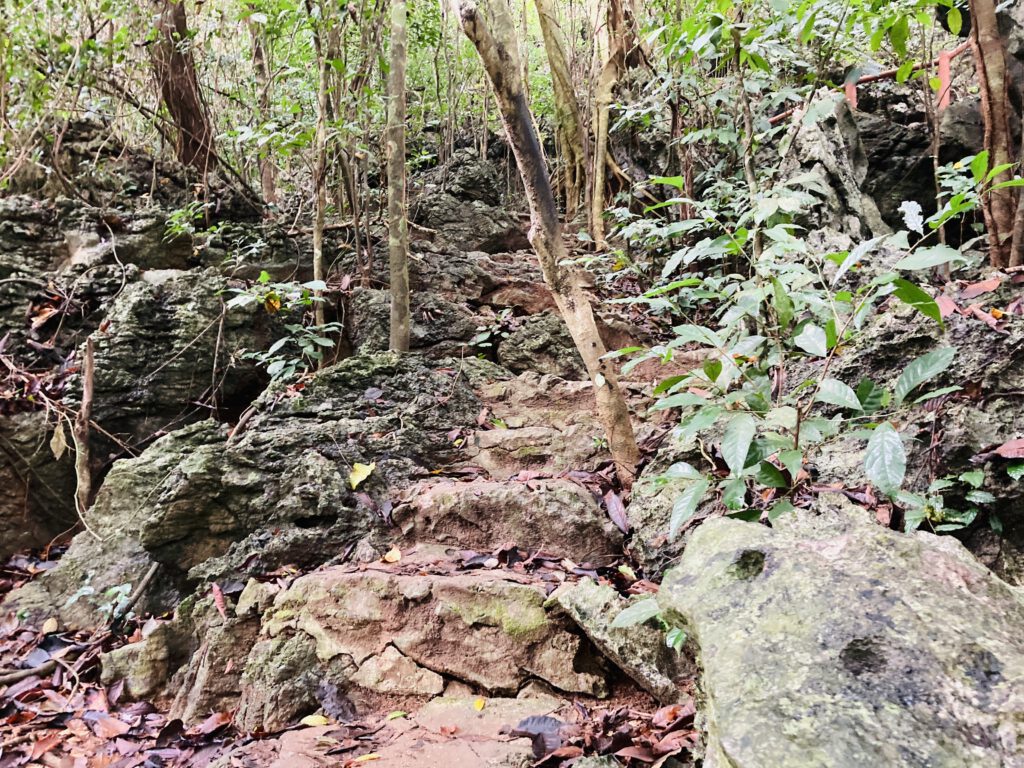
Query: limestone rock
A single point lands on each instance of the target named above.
(486, 629)
(277, 493)
(557, 515)
(542, 343)
(36, 489)
(440, 327)
(834, 641)
(391, 672)
(467, 225)
(639, 651)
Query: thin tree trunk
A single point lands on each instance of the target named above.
(268, 170)
(602, 108)
(319, 167)
(567, 111)
(492, 32)
(398, 228)
(175, 70)
(999, 206)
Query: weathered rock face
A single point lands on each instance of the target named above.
(559, 516)
(542, 424)
(639, 651)
(831, 151)
(542, 343)
(36, 489)
(440, 327)
(468, 225)
(277, 493)
(943, 439)
(168, 345)
(834, 641)
(399, 633)
(461, 202)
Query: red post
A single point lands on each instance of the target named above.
(945, 79)
(851, 93)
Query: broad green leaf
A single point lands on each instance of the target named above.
(979, 166)
(812, 340)
(955, 21)
(783, 304)
(739, 434)
(636, 613)
(922, 369)
(700, 421)
(769, 475)
(734, 493)
(905, 71)
(712, 369)
(871, 396)
(793, 461)
(779, 509)
(679, 400)
(682, 470)
(359, 473)
(919, 299)
(1016, 471)
(926, 258)
(686, 506)
(835, 392)
(885, 461)
(975, 478)
(899, 33)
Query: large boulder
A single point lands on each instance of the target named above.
(541, 343)
(834, 641)
(278, 491)
(169, 354)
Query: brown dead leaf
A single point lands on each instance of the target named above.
(977, 289)
(218, 600)
(946, 305)
(393, 555)
(107, 727)
(1014, 449)
(45, 744)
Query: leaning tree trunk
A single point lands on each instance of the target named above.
(490, 28)
(567, 111)
(175, 71)
(999, 206)
(398, 228)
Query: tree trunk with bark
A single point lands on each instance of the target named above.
(998, 206)
(268, 169)
(175, 70)
(398, 226)
(490, 28)
(319, 164)
(567, 111)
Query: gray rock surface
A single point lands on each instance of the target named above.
(194, 498)
(639, 650)
(541, 343)
(834, 641)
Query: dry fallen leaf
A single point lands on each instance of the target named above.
(977, 289)
(479, 704)
(359, 473)
(50, 626)
(393, 555)
(1014, 449)
(314, 720)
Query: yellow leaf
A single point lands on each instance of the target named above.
(396, 715)
(314, 720)
(50, 626)
(367, 757)
(359, 473)
(272, 303)
(997, 313)
(479, 704)
(59, 442)
(393, 555)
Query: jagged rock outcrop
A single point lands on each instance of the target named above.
(277, 492)
(821, 639)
